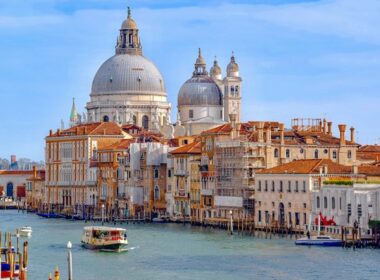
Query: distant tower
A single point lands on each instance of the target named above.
(232, 91)
(74, 119)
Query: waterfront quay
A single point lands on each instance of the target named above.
(175, 251)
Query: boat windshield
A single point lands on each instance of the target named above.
(323, 237)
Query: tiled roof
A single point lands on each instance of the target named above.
(120, 145)
(192, 148)
(308, 166)
(369, 170)
(96, 128)
(16, 172)
(370, 148)
(369, 152)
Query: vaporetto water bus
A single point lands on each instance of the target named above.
(105, 238)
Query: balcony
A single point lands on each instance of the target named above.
(207, 192)
(180, 173)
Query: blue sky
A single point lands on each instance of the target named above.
(297, 58)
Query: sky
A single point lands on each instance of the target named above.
(311, 59)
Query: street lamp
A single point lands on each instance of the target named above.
(232, 223)
(103, 214)
(69, 261)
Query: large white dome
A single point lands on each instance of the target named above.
(128, 74)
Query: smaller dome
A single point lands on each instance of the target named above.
(215, 69)
(200, 91)
(129, 23)
(232, 67)
(200, 60)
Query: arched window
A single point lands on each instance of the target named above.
(106, 118)
(349, 154)
(134, 119)
(318, 202)
(156, 193)
(145, 122)
(316, 154)
(287, 153)
(276, 153)
(325, 202)
(333, 203)
(334, 154)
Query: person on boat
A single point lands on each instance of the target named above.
(308, 234)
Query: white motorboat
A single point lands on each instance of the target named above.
(25, 231)
(320, 240)
(104, 238)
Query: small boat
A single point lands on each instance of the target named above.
(25, 231)
(104, 238)
(50, 215)
(318, 240)
(5, 271)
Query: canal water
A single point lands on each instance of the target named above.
(174, 251)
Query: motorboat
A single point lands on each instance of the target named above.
(25, 231)
(104, 238)
(50, 215)
(319, 240)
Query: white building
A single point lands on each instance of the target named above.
(347, 204)
(128, 87)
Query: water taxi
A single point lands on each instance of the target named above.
(25, 231)
(104, 238)
(320, 240)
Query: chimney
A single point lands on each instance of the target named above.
(50, 132)
(352, 130)
(324, 126)
(260, 129)
(35, 171)
(342, 131)
(281, 128)
(58, 132)
(329, 128)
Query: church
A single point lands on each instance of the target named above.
(129, 89)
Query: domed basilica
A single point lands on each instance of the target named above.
(129, 89)
(206, 100)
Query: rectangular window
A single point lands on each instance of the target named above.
(259, 189)
(289, 186)
(296, 190)
(272, 186)
(191, 114)
(304, 186)
(259, 216)
(297, 216)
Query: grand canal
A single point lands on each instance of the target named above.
(174, 251)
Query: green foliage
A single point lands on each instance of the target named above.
(339, 182)
(374, 224)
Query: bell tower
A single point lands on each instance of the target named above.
(232, 91)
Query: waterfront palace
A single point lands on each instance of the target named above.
(125, 157)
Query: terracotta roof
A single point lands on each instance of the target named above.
(369, 170)
(96, 128)
(308, 166)
(120, 145)
(192, 148)
(16, 172)
(131, 128)
(370, 148)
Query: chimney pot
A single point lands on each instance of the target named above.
(342, 130)
(352, 130)
(329, 128)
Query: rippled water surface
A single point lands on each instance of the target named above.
(174, 251)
